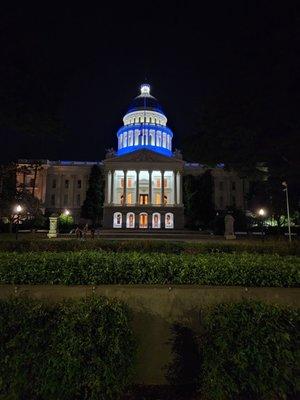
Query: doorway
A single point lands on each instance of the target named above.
(143, 221)
(143, 199)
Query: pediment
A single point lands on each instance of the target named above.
(143, 155)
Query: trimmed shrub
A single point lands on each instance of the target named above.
(249, 350)
(158, 246)
(73, 350)
(94, 267)
(246, 350)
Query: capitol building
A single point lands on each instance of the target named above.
(143, 177)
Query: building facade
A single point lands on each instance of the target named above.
(143, 178)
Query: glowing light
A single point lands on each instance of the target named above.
(145, 88)
(18, 208)
(67, 212)
(261, 212)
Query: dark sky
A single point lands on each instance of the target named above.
(87, 63)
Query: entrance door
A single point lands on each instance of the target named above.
(143, 199)
(143, 221)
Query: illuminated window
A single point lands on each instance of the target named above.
(169, 221)
(157, 183)
(117, 220)
(129, 182)
(130, 220)
(157, 198)
(156, 221)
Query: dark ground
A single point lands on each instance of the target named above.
(159, 393)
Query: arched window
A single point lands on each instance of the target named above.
(169, 221)
(117, 222)
(143, 223)
(156, 220)
(130, 220)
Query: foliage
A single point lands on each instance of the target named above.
(249, 350)
(197, 199)
(7, 190)
(92, 207)
(100, 267)
(80, 349)
(65, 222)
(32, 243)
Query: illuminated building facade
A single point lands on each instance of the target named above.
(143, 178)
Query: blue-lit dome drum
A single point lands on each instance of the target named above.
(145, 126)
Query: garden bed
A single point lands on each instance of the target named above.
(281, 247)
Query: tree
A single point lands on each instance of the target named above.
(197, 199)
(35, 166)
(7, 190)
(92, 207)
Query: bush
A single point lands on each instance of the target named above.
(73, 350)
(94, 267)
(249, 350)
(258, 246)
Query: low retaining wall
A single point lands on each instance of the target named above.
(155, 308)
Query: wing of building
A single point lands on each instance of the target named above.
(143, 178)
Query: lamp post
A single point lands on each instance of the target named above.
(285, 185)
(18, 210)
(262, 213)
(67, 212)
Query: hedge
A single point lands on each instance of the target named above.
(250, 350)
(94, 267)
(174, 247)
(245, 350)
(73, 350)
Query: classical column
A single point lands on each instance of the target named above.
(179, 188)
(125, 189)
(112, 187)
(137, 186)
(175, 188)
(108, 188)
(163, 188)
(150, 187)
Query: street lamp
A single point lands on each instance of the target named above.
(67, 212)
(18, 210)
(262, 213)
(285, 185)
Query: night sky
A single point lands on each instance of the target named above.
(88, 63)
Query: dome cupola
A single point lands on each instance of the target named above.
(145, 126)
